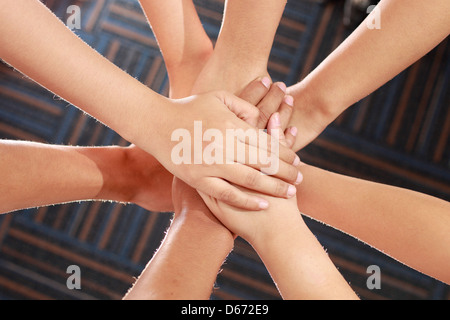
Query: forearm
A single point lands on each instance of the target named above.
(299, 265)
(35, 42)
(411, 227)
(248, 30)
(243, 46)
(184, 44)
(184, 38)
(188, 261)
(35, 174)
(369, 58)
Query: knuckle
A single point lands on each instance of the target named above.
(293, 173)
(227, 195)
(264, 116)
(281, 188)
(251, 179)
(256, 113)
(289, 155)
(247, 204)
(286, 112)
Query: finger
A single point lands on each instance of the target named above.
(287, 155)
(263, 161)
(231, 195)
(242, 109)
(256, 90)
(286, 109)
(255, 180)
(267, 143)
(290, 135)
(262, 143)
(274, 128)
(287, 139)
(270, 103)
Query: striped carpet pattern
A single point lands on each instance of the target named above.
(399, 135)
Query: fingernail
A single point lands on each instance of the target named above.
(289, 100)
(266, 82)
(263, 204)
(293, 131)
(282, 86)
(299, 178)
(291, 191)
(296, 160)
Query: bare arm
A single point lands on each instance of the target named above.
(366, 60)
(298, 264)
(244, 44)
(196, 244)
(372, 212)
(186, 265)
(35, 174)
(411, 227)
(184, 43)
(37, 43)
(361, 208)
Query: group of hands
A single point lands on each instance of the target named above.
(235, 195)
(245, 205)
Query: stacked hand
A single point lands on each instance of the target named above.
(267, 100)
(221, 113)
(276, 108)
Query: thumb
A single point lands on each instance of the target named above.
(274, 128)
(241, 108)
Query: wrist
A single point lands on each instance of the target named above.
(313, 111)
(149, 128)
(317, 105)
(280, 221)
(201, 225)
(117, 179)
(197, 57)
(230, 64)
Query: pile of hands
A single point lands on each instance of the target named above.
(261, 105)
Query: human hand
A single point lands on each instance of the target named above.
(137, 177)
(258, 226)
(218, 112)
(259, 93)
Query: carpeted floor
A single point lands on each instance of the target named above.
(399, 135)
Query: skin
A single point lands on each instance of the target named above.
(388, 218)
(186, 264)
(173, 273)
(90, 81)
(191, 255)
(62, 174)
(360, 214)
(366, 60)
(196, 243)
(298, 264)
